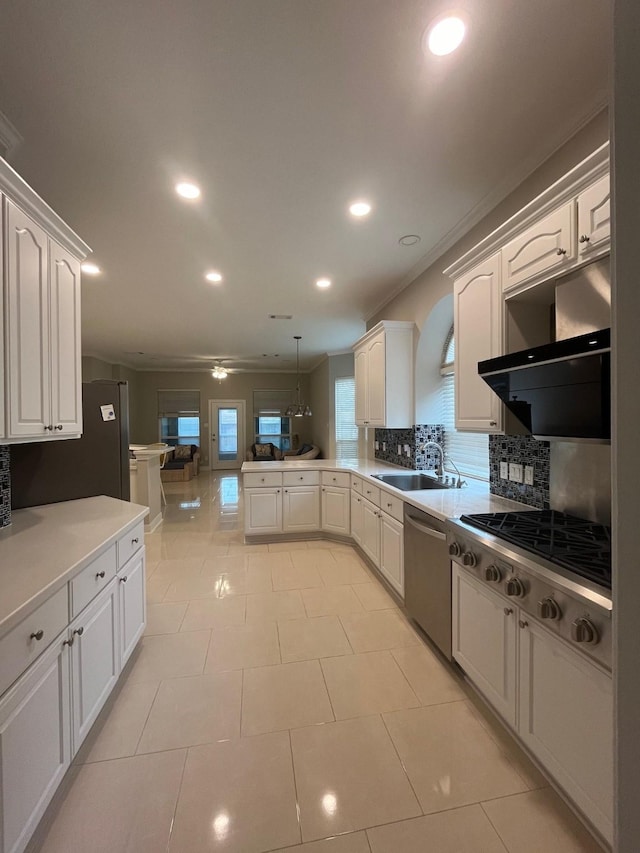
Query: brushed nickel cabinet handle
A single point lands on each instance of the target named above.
(100, 574)
(37, 635)
(123, 580)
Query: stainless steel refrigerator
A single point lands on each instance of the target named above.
(95, 464)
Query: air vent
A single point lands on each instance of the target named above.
(281, 316)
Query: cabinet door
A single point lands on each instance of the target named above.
(376, 381)
(35, 745)
(594, 217)
(484, 641)
(392, 552)
(544, 247)
(357, 518)
(64, 308)
(262, 511)
(132, 611)
(478, 329)
(370, 543)
(301, 508)
(566, 720)
(95, 663)
(360, 374)
(29, 397)
(335, 509)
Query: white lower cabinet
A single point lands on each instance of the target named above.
(558, 702)
(484, 641)
(35, 744)
(370, 542)
(357, 518)
(48, 711)
(95, 664)
(263, 511)
(392, 551)
(300, 509)
(336, 510)
(132, 610)
(566, 720)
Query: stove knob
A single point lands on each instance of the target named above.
(470, 560)
(548, 609)
(454, 549)
(515, 588)
(493, 574)
(584, 631)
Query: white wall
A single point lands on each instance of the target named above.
(626, 419)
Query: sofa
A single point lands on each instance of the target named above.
(270, 453)
(182, 464)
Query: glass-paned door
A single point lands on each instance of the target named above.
(227, 429)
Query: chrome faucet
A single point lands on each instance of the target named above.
(440, 468)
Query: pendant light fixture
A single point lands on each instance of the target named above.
(298, 409)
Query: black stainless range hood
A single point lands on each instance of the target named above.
(560, 390)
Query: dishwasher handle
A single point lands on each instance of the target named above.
(424, 529)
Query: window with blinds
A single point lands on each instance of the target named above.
(179, 416)
(345, 419)
(270, 424)
(468, 450)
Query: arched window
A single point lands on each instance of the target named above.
(468, 450)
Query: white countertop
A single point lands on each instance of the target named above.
(45, 546)
(442, 503)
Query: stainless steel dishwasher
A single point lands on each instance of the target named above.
(427, 576)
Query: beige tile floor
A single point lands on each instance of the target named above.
(281, 701)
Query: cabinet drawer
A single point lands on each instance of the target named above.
(20, 646)
(356, 484)
(91, 580)
(371, 492)
(392, 505)
(301, 478)
(128, 544)
(336, 478)
(263, 478)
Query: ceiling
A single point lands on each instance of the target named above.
(284, 112)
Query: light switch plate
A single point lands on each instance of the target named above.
(515, 472)
(528, 475)
(504, 470)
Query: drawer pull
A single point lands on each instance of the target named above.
(301, 478)
(59, 426)
(389, 505)
(68, 642)
(123, 579)
(37, 635)
(100, 574)
(135, 541)
(79, 631)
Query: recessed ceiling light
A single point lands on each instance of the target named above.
(445, 35)
(90, 269)
(360, 208)
(323, 282)
(188, 190)
(409, 240)
(213, 276)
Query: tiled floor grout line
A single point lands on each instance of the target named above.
(402, 764)
(175, 808)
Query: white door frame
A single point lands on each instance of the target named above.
(214, 406)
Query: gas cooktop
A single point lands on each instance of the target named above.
(581, 546)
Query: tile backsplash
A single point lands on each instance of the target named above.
(522, 450)
(5, 487)
(388, 440)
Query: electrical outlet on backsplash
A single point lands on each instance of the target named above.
(401, 446)
(526, 452)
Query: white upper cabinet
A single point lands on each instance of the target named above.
(41, 325)
(477, 301)
(544, 248)
(27, 326)
(384, 376)
(594, 218)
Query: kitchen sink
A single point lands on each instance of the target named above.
(412, 482)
